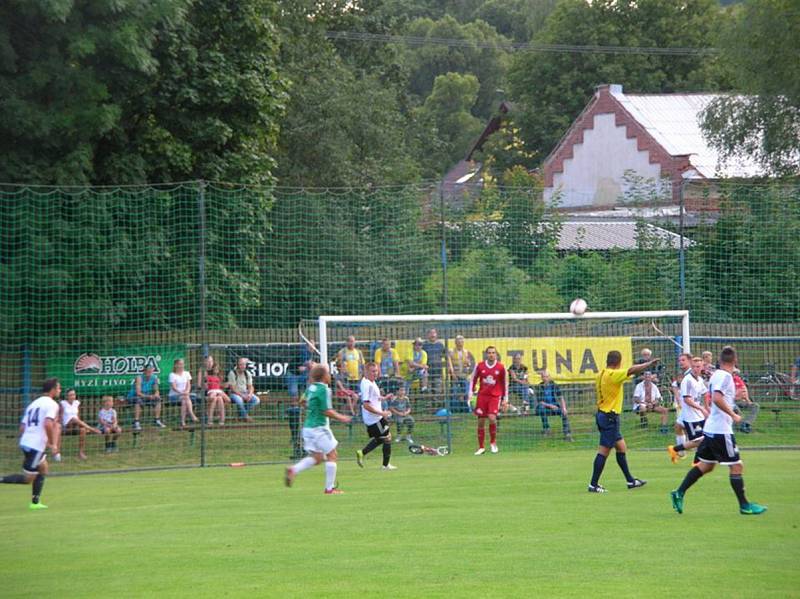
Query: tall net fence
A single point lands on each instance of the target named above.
(98, 283)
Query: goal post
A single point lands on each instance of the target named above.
(431, 357)
(324, 321)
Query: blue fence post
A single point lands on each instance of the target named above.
(27, 377)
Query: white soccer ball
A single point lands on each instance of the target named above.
(578, 307)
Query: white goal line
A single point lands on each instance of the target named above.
(374, 318)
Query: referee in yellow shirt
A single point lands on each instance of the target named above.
(608, 388)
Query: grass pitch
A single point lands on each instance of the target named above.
(518, 524)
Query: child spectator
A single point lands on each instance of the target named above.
(400, 407)
(216, 398)
(107, 417)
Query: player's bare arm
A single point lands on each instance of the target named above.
(369, 408)
(337, 416)
(689, 401)
(719, 401)
(50, 429)
(637, 368)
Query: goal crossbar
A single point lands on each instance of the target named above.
(373, 318)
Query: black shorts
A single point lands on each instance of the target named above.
(719, 449)
(693, 429)
(32, 459)
(379, 430)
(608, 425)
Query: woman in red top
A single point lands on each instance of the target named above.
(216, 398)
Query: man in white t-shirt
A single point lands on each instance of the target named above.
(693, 412)
(374, 417)
(719, 444)
(647, 398)
(39, 432)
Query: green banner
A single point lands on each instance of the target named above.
(114, 371)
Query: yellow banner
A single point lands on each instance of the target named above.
(567, 359)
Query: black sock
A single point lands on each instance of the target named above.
(622, 461)
(373, 443)
(38, 484)
(387, 453)
(599, 464)
(691, 477)
(737, 484)
(14, 479)
(679, 447)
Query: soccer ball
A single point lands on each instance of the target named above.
(578, 307)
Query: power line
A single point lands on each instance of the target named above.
(411, 40)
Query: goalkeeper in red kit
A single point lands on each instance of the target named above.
(494, 388)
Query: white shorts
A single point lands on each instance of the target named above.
(319, 440)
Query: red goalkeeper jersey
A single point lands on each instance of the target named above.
(492, 379)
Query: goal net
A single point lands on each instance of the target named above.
(553, 359)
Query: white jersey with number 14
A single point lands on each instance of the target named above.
(35, 435)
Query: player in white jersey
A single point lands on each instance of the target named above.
(684, 368)
(693, 412)
(38, 428)
(374, 417)
(719, 444)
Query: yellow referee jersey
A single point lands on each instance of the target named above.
(608, 388)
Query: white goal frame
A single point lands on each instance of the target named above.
(433, 318)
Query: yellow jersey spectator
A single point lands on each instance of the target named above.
(350, 362)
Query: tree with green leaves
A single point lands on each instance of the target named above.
(761, 119)
(486, 280)
(68, 72)
(487, 62)
(551, 89)
(109, 92)
(448, 128)
(347, 120)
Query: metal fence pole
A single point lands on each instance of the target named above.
(445, 378)
(201, 286)
(682, 250)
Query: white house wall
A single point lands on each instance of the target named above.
(594, 176)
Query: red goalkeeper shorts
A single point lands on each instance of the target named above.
(487, 404)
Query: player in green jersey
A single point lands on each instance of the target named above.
(318, 439)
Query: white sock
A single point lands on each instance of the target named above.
(330, 475)
(304, 464)
(681, 439)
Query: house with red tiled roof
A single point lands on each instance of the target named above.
(620, 139)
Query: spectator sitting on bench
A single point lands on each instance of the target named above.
(180, 391)
(550, 402)
(144, 392)
(350, 397)
(216, 398)
(647, 398)
(400, 407)
(387, 361)
(743, 402)
(242, 392)
(417, 365)
(108, 423)
(71, 424)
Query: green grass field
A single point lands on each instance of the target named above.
(514, 524)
